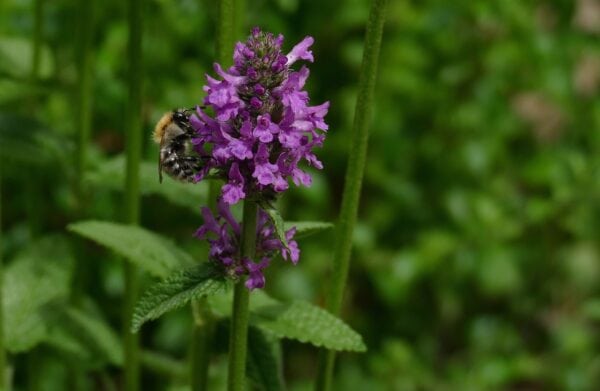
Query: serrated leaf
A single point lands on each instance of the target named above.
(305, 322)
(299, 320)
(111, 175)
(263, 364)
(150, 251)
(39, 275)
(220, 304)
(176, 291)
(277, 221)
(307, 228)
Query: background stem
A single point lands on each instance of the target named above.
(238, 337)
(84, 93)
(203, 327)
(132, 193)
(354, 176)
(3, 379)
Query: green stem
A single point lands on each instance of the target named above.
(225, 31)
(202, 334)
(3, 379)
(84, 92)
(132, 186)
(203, 328)
(31, 195)
(38, 12)
(238, 337)
(354, 176)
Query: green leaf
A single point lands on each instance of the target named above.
(263, 363)
(276, 219)
(85, 335)
(111, 175)
(176, 291)
(220, 304)
(150, 251)
(299, 320)
(39, 275)
(308, 323)
(16, 57)
(307, 228)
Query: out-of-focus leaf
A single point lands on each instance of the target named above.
(307, 228)
(150, 251)
(16, 55)
(25, 141)
(78, 330)
(176, 291)
(38, 276)
(264, 367)
(111, 175)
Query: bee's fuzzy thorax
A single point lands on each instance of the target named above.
(161, 125)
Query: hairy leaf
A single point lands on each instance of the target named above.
(38, 276)
(263, 363)
(111, 175)
(311, 324)
(150, 251)
(299, 320)
(276, 219)
(176, 291)
(307, 228)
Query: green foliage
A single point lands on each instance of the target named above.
(150, 251)
(276, 219)
(298, 320)
(307, 323)
(110, 174)
(307, 228)
(39, 275)
(176, 291)
(85, 336)
(263, 363)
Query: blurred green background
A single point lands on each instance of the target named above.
(477, 259)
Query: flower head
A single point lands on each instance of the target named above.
(262, 126)
(222, 231)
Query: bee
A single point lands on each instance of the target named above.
(173, 133)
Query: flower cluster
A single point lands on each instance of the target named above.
(223, 234)
(256, 125)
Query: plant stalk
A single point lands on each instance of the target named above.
(132, 186)
(202, 333)
(353, 181)
(204, 325)
(3, 377)
(238, 337)
(84, 93)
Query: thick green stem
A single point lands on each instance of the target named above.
(84, 92)
(203, 328)
(354, 176)
(202, 334)
(132, 185)
(225, 31)
(238, 336)
(3, 379)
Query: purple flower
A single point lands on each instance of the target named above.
(223, 235)
(261, 126)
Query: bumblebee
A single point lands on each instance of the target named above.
(173, 133)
